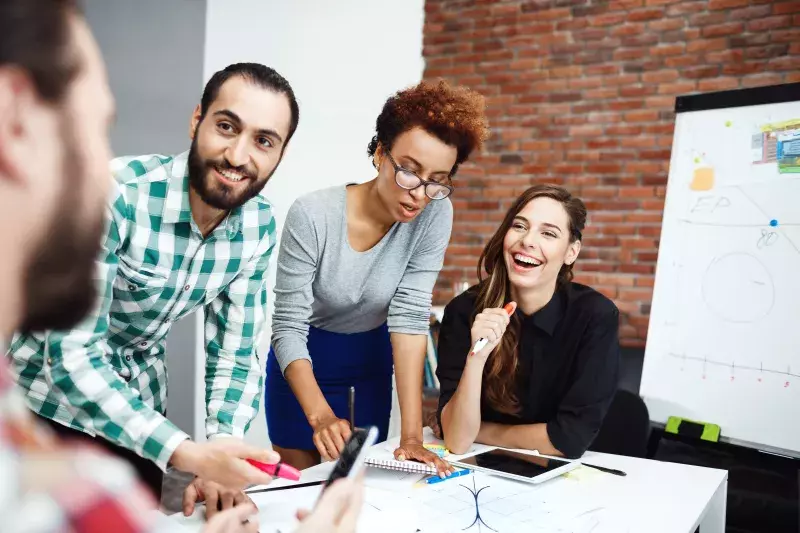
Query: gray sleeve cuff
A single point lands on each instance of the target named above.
(289, 349)
(412, 318)
(409, 330)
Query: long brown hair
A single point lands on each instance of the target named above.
(494, 290)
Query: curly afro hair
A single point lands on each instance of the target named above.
(455, 115)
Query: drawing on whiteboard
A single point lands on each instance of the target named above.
(771, 219)
(767, 238)
(712, 204)
(753, 284)
(732, 365)
(707, 204)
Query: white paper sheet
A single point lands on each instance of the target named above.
(382, 511)
(482, 502)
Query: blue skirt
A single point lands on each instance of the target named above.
(361, 360)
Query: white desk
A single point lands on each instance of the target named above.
(654, 497)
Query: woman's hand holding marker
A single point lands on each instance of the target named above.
(488, 328)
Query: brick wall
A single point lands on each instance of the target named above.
(581, 93)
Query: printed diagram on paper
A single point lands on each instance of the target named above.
(482, 503)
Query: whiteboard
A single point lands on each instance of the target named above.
(723, 343)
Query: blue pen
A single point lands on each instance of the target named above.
(437, 479)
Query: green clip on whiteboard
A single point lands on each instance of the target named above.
(693, 428)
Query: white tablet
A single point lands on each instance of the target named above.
(520, 466)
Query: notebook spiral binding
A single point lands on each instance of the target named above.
(403, 466)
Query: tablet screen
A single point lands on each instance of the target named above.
(518, 464)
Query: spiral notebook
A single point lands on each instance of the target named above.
(380, 457)
(403, 466)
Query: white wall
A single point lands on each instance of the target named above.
(154, 118)
(343, 59)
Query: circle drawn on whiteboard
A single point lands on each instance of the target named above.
(737, 287)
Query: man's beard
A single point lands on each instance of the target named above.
(59, 284)
(223, 196)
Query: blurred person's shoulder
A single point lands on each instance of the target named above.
(91, 489)
(76, 489)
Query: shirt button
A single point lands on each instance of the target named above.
(127, 357)
(131, 287)
(50, 361)
(186, 287)
(143, 344)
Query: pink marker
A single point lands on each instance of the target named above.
(277, 470)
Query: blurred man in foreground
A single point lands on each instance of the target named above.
(55, 110)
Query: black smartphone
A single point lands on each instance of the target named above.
(351, 460)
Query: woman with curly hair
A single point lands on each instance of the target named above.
(548, 374)
(356, 270)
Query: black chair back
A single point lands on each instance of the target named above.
(626, 427)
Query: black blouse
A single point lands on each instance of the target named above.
(568, 364)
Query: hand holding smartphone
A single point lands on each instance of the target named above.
(351, 460)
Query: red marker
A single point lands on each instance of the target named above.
(509, 308)
(277, 470)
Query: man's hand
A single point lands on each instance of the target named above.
(223, 461)
(217, 497)
(337, 510)
(412, 449)
(241, 519)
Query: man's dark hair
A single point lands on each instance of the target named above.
(255, 73)
(35, 35)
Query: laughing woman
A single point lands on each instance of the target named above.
(549, 372)
(356, 270)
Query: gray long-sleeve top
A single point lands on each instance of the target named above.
(322, 282)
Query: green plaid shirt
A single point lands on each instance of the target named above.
(108, 376)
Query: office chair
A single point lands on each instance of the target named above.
(626, 427)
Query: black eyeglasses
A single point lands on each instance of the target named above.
(410, 181)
